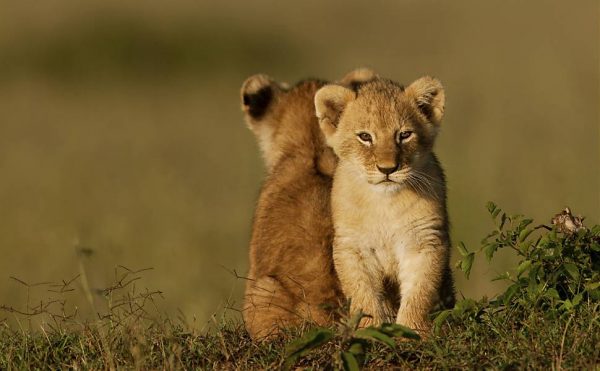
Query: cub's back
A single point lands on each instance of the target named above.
(291, 260)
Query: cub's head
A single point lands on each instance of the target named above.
(283, 119)
(381, 130)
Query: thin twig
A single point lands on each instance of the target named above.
(562, 345)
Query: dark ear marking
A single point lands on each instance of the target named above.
(355, 85)
(258, 102)
(257, 95)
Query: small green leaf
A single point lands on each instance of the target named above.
(397, 330)
(524, 223)
(503, 276)
(349, 362)
(357, 347)
(572, 270)
(491, 206)
(525, 264)
(467, 263)
(577, 299)
(489, 251)
(533, 286)
(552, 293)
(509, 293)
(592, 286)
(371, 333)
(440, 319)
(524, 234)
(300, 347)
(464, 306)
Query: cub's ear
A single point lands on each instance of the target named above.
(257, 94)
(360, 75)
(429, 96)
(330, 102)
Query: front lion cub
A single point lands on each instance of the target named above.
(391, 247)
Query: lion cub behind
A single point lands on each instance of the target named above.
(391, 245)
(291, 277)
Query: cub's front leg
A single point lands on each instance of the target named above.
(420, 275)
(359, 281)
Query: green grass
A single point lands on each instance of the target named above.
(121, 129)
(536, 342)
(547, 318)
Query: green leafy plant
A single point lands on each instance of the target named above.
(558, 267)
(353, 341)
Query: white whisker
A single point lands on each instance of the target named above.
(424, 185)
(429, 177)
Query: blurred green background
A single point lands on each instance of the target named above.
(121, 132)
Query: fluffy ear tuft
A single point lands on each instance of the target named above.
(429, 96)
(257, 93)
(330, 102)
(357, 77)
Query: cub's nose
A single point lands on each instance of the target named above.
(387, 170)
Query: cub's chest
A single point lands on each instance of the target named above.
(381, 238)
(377, 229)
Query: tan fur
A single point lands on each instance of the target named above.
(391, 245)
(291, 277)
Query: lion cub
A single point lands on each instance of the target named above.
(291, 277)
(391, 246)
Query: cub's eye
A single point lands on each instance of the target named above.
(404, 135)
(365, 137)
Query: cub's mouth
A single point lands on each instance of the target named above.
(396, 178)
(388, 185)
(386, 181)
